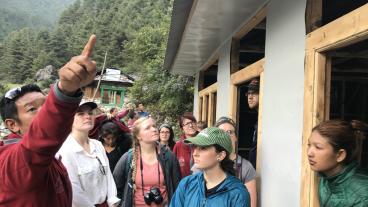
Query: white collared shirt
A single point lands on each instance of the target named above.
(89, 182)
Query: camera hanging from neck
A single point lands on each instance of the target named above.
(141, 163)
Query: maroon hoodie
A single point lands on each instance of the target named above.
(184, 154)
(29, 173)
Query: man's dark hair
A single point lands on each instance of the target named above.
(7, 103)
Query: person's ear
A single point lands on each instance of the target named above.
(221, 156)
(12, 125)
(341, 155)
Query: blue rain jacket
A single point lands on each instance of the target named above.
(191, 192)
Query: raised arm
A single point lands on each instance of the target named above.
(31, 158)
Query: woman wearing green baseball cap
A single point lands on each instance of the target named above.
(215, 185)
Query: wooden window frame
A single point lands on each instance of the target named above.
(346, 30)
(246, 74)
(206, 104)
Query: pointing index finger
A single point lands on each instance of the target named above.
(87, 51)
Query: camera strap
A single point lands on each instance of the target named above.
(141, 163)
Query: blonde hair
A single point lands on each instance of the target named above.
(135, 131)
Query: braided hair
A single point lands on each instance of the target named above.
(135, 147)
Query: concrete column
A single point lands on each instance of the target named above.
(283, 104)
(223, 80)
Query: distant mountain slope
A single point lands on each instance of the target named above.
(16, 14)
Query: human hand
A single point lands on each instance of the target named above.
(79, 71)
(109, 116)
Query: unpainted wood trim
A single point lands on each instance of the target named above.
(248, 72)
(308, 186)
(254, 21)
(346, 30)
(259, 130)
(200, 107)
(210, 89)
(233, 102)
(328, 88)
(204, 108)
(313, 15)
(210, 109)
(234, 55)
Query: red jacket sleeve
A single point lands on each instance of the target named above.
(24, 164)
(122, 114)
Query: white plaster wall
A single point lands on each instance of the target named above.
(195, 101)
(283, 104)
(223, 80)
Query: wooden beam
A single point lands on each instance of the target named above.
(346, 30)
(233, 102)
(210, 109)
(328, 88)
(259, 129)
(200, 108)
(313, 15)
(210, 89)
(248, 73)
(261, 25)
(204, 108)
(234, 56)
(308, 197)
(252, 49)
(201, 80)
(252, 23)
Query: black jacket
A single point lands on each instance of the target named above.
(123, 175)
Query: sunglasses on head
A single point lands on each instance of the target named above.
(13, 93)
(225, 120)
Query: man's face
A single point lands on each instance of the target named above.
(189, 127)
(141, 107)
(28, 106)
(253, 99)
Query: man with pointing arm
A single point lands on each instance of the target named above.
(30, 175)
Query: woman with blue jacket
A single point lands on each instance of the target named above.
(215, 185)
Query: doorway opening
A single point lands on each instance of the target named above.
(349, 88)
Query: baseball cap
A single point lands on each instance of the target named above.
(211, 136)
(253, 85)
(91, 104)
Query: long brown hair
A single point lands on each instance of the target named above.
(343, 135)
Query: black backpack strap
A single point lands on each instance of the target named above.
(128, 164)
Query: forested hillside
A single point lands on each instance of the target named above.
(134, 34)
(17, 14)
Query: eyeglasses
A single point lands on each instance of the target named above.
(13, 93)
(162, 132)
(102, 168)
(189, 123)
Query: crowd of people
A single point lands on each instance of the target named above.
(63, 154)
